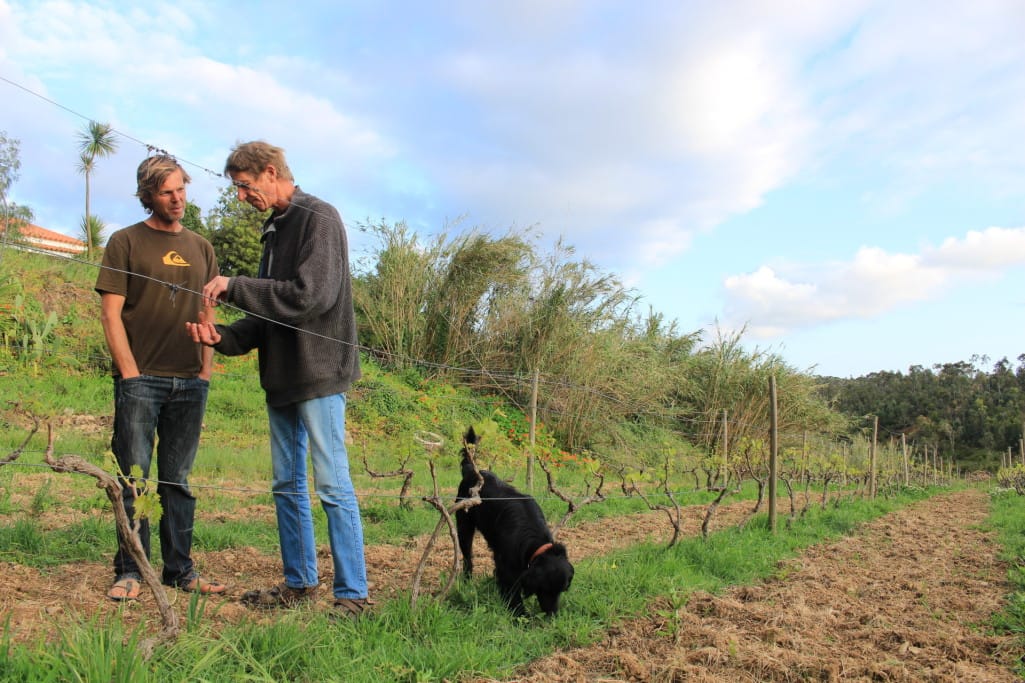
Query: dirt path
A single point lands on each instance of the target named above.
(906, 599)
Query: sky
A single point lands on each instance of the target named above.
(840, 183)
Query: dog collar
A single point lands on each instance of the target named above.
(539, 552)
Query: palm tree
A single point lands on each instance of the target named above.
(96, 141)
(93, 232)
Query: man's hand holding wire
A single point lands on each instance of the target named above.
(215, 290)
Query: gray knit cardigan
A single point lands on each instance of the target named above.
(300, 314)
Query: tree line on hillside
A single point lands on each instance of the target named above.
(976, 414)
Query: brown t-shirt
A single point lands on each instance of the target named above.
(160, 274)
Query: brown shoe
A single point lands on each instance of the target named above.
(205, 586)
(281, 595)
(353, 608)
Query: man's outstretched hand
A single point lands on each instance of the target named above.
(204, 331)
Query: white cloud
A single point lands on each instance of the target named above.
(871, 284)
(688, 118)
(992, 248)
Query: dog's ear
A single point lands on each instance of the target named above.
(470, 438)
(558, 552)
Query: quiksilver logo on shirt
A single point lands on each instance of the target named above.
(173, 258)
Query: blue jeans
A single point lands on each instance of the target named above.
(170, 409)
(320, 425)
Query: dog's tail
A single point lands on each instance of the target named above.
(470, 441)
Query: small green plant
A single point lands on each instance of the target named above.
(6, 479)
(147, 504)
(198, 604)
(42, 500)
(27, 329)
(10, 292)
(40, 332)
(24, 537)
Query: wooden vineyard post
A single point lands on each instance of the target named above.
(804, 455)
(773, 450)
(723, 473)
(904, 450)
(925, 465)
(533, 422)
(843, 454)
(872, 459)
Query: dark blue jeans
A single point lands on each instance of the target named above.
(168, 411)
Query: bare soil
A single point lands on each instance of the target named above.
(907, 598)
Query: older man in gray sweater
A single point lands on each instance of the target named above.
(300, 318)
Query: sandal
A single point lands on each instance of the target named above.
(202, 586)
(281, 595)
(353, 608)
(124, 589)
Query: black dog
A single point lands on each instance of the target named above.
(528, 561)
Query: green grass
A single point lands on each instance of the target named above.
(25, 542)
(467, 633)
(91, 651)
(228, 535)
(1007, 518)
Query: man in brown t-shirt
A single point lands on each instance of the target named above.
(147, 281)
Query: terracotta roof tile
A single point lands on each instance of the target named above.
(38, 232)
(48, 240)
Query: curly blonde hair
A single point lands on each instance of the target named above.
(152, 173)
